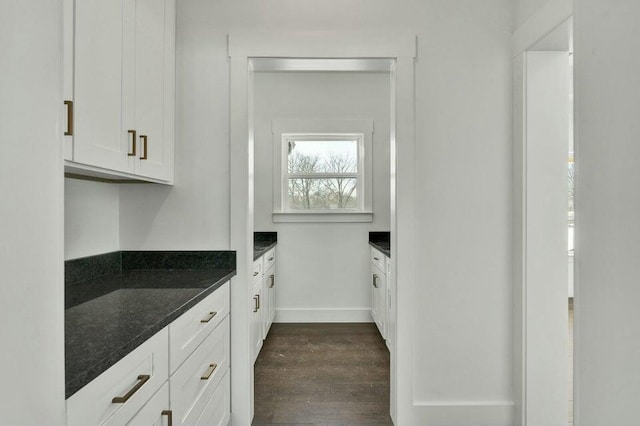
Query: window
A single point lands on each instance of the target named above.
(323, 175)
(322, 172)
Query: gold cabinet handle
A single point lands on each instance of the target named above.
(169, 415)
(142, 379)
(273, 280)
(209, 372)
(255, 274)
(258, 296)
(255, 303)
(133, 143)
(69, 105)
(270, 259)
(209, 317)
(144, 147)
(375, 279)
(375, 258)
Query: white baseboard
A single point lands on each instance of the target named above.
(465, 413)
(323, 315)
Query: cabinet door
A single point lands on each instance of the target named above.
(155, 412)
(67, 65)
(154, 87)
(270, 279)
(256, 319)
(99, 138)
(378, 298)
(217, 412)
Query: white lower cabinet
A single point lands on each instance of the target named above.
(188, 331)
(140, 390)
(114, 397)
(269, 291)
(255, 314)
(193, 384)
(155, 412)
(216, 411)
(379, 290)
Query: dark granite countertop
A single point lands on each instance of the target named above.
(109, 316)
(381, 241)
(263, 242)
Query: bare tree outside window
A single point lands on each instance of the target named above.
(323, 175)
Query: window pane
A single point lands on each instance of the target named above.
(323, 156)
(336, 193)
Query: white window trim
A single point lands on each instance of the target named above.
(284, 130)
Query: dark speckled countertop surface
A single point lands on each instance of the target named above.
(381, 241)
(108, 316)
(263, 242)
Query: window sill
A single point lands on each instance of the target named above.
(322, 216)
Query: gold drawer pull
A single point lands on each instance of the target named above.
(255, 274)
(142, 379)
(270, 259)
(69, 105)
(209, 372)
(375, 258)
(169, 415)
(273, 280)
(133, 143)
(375, 279)
(144, 147)
(255, 303)
(209, 317)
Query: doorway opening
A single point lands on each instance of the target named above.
(322, 183)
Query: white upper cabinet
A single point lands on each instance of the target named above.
(99, 139)
(154, 87)
(67, 64)
(123, 89)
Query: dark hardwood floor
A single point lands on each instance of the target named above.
(322, 374)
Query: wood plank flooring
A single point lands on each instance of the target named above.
(322, 374)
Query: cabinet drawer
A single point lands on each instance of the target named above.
(190, 329)
(269, 259)
(155, 412)
(135, 378)
(378, 259)
(196, 380)
(257, 270)
(217, 411)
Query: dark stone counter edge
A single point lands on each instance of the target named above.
(385, 251)
(74, 384)
(260, 251)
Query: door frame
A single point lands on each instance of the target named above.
(534, 367)
(242, 47)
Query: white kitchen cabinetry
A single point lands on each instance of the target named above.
(390, 306)
(255, 306)
(262, 305)
(188, 331)
(379, 291)
(143, 388)
(269, 291)
(154, 412)
(122, 88)
(114, 397)
(196, 381)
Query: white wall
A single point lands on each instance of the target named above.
(31, 214)
(333, 257)
(91, 218)
(607, 90)
(462, 334)
(525, 9)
